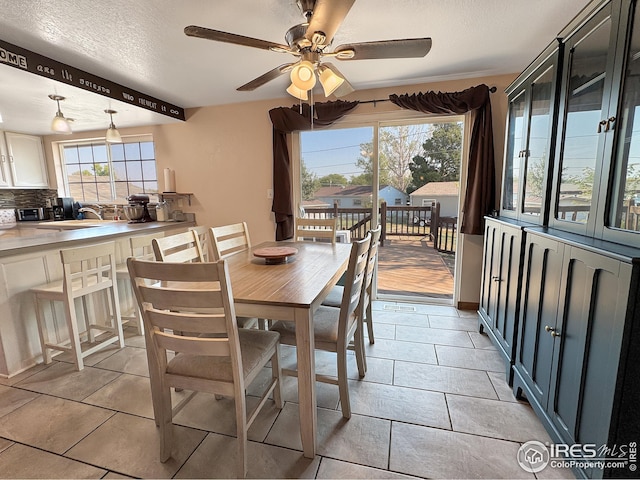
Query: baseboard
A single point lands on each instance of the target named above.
(468, 306)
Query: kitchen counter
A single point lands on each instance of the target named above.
(26, 236)
(30, 256)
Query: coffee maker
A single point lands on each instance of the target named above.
(138, 201)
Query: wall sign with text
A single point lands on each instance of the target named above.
(31, 62)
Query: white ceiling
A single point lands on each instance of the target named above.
(141, 44)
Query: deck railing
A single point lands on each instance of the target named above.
(396, 221)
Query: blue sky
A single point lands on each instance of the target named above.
(334, 151)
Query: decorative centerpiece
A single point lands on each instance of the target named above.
(275, 255)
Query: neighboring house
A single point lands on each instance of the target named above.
(356, 196)
(447, 193)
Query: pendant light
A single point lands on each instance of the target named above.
(59, 124)
(303, 75)
(113, 136)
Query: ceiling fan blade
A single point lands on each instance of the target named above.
(267, 77)
(405, 48)
(218, 36)
(327, 18)
(346, 88)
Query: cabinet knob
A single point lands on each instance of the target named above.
(554, 333)
(495, 278)
(11, 158)
(3, 158)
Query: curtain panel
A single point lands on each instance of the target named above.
(479, 197)
(286, 120)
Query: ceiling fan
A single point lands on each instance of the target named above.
(310, 42)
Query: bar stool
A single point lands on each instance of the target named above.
(142, 249)
(86, 271)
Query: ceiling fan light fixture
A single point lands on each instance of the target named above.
(329, 80)
(112, 135)
(298, 93)
(303, 75)
(59, 124)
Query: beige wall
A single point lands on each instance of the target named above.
(222, 154)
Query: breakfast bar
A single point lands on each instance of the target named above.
(30, 256)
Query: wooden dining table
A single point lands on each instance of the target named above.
(291, 292)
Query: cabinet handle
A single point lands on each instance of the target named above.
(554, 333)
(4, 158)
(495, 278)
(610, 120)
(603, 123)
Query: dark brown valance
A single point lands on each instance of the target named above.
(480, 192)
(286, 120)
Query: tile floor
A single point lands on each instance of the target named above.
(434, 404)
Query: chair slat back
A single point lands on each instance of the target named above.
(371, 259)
(316, 228)
(179, 248)
(142, 247)
(353, 285)
(229, 239)
(203, 237)
(194, 299)
(88, 269)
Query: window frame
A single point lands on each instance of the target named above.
(64, 187)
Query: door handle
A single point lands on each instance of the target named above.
(610, 120)
(554, 333)
(495, 278)
(602, 123)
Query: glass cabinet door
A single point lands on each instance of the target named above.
(514, 153)
(585, 105)
(623, 211)
(538, 145)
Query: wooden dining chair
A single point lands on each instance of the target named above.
(334, 328)
(203, 237)
(87, 272)
(229, 239)
(314, 229)
(334, 298)
(179, 248)
(215, 357)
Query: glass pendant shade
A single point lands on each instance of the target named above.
(329, 80)
(296, 92)
(59, 124)
(112, 136)
(303, 75)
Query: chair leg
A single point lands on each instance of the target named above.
(165, 422)
(276, 373)
(74, 334)
(370, 323)
(358, 344)
(42, 331)
(114, 312)
(241, 428)
(343, 384)
(91, 338)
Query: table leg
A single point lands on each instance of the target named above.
(305, 347)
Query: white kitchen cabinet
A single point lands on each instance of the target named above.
(23, 164)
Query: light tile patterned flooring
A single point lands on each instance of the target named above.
(434, 404)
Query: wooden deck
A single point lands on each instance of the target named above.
(411, 266)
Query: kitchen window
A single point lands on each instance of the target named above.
(97, 171)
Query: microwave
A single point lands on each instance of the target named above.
(30, 214)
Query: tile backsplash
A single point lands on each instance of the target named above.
(23, 198)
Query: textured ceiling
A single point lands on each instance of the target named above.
(141, 44)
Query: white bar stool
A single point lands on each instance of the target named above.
(142, 249)
(86, 271)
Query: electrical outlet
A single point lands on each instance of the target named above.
(270, 193)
